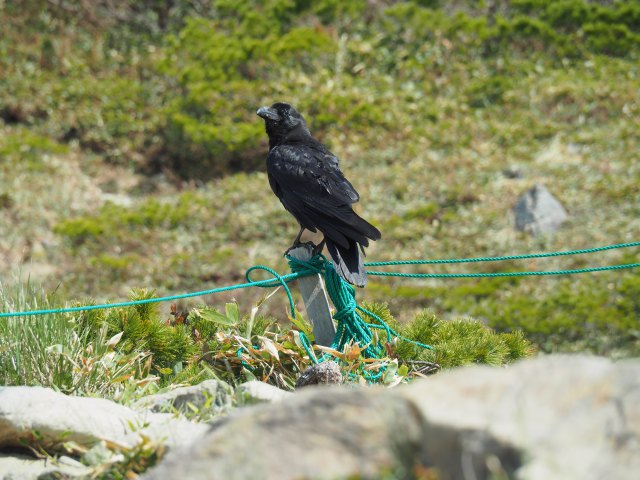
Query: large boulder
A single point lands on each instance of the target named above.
(564, 417)
(316, 434)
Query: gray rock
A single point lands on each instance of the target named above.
(323, 373)
(513, 172)
(538, 212)
(216, 395)
(565, 417)
(259, 392)
(319, 433)
(27, 413)
(22, 467)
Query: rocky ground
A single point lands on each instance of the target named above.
(564, 417)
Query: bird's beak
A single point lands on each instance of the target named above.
(268, 113)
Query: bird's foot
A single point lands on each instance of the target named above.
(309, 245)
(317, 249)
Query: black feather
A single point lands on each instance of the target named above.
(306, 177)
(348, 263)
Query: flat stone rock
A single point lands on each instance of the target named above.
(216, 395)
(30, 413)
(538, 212)
(564, 417)
(23, 467)
(259, 392)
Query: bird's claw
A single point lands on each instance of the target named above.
(310, 245)
(317, 249)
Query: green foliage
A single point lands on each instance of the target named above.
(116, 221)
(460, 342)
(61, 352)
(224, 68)
(485, 92)
(616, 40)
(247, 56)
(170, 346)
(329, 58)
(601, 320)
(24, 149)
(572, 316)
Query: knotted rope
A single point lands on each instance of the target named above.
(350, 325)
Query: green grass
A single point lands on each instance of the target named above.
(426, 107)
(56, 351)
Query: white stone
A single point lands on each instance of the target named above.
(54, 418)
(22, 467)
(259, 392)
(218, 394)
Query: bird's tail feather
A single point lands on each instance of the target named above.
(346, 228)
(348, 262)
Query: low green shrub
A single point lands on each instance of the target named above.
(457, 342)
(61, 352)
(116, 221)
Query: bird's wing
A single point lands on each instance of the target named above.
(311, 186)
(311, 174)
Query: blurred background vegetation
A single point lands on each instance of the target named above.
(131, 155)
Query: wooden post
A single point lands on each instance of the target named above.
(315, 299)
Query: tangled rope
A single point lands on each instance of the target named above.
(350, 325)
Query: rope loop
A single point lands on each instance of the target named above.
(350, 327)
(278, 280)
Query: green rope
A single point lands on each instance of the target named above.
(350, 326)
(301, 269)
(507, 257)
(503, 274)
(279, 280)
(390, 332)
(306, 344)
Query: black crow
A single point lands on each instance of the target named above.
(306, 177)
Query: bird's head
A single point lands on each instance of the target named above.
(280, 119)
